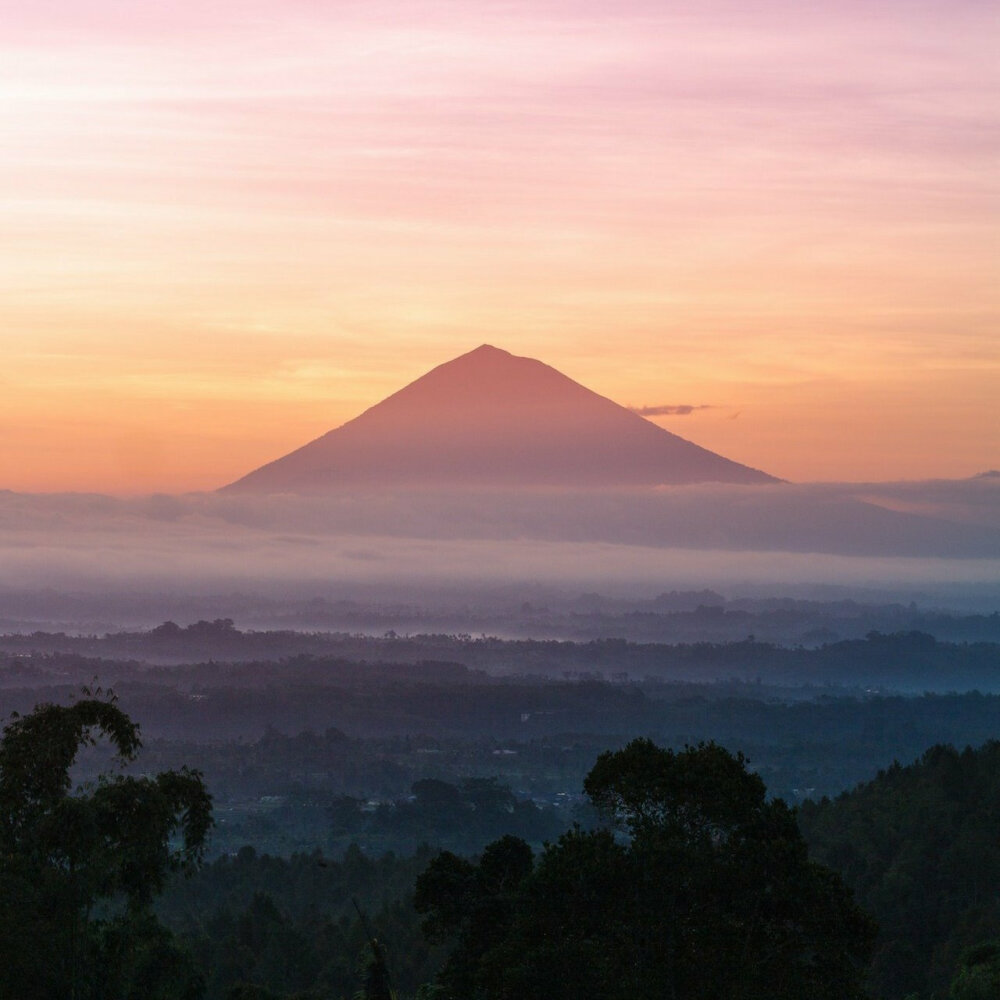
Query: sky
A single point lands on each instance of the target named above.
(227, 228)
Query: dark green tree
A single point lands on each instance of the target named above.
(378, 985)
(699, 889)
(473, 905)
(978, 974)
(79, 869)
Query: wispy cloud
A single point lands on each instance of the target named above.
(669, 410)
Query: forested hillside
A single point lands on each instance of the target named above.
(920, 847)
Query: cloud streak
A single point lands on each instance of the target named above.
(669, 410)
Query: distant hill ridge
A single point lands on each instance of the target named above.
(490, 418)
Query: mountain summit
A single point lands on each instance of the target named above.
(490, 418)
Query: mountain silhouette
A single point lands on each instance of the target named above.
(490, 418)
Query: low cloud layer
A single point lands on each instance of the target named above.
(646, 538)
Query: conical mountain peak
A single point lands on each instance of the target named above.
(486, 351)
(489, 417)
(484, 354)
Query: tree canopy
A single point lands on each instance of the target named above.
(79, 868)
(699, 887)
(918, 845)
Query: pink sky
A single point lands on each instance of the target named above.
(227, 228)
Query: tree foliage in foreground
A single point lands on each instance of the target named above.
(700, 888)
(919, 846)
(79, 870)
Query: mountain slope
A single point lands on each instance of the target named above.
(489, 418)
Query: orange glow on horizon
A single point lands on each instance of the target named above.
(229, 230)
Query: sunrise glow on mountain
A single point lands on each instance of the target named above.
(488, 418)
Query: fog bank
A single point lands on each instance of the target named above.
(644, 538)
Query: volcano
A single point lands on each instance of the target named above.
(490, 418)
